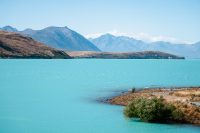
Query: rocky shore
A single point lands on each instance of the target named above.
(186, 99)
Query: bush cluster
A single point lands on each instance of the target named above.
(153, 110)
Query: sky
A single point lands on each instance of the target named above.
(175, 20)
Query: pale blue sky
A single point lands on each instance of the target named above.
(175, 18)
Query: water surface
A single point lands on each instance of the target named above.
(59, 96)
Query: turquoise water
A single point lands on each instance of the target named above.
(59, 96)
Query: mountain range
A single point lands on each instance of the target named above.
(66, 39)
(111, 43)
(58, 37)
(16, 45)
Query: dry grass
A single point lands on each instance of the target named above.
(180, 97)
(14, 45)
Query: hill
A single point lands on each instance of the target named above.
(14, 45)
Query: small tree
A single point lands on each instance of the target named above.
(152, 110)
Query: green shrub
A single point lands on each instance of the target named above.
(153, 110)
(178, 115)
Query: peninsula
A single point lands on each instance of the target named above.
(123, 55)
(185, 99)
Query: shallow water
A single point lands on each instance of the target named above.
(59, 96)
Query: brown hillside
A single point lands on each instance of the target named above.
(14, 45)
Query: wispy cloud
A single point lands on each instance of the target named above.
(141, 36)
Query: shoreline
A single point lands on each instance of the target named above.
(185, 98)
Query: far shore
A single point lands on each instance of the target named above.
(185, 98)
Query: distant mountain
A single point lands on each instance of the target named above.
(111, 43)
(14, 45)
(9, 29)
(197, 46)
(60, 38)
(124, 55)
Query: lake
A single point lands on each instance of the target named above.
(60, 96)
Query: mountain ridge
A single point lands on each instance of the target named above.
(9, 28)
(64, 38)
(15, 45)
(111, 43)
(58, 37)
